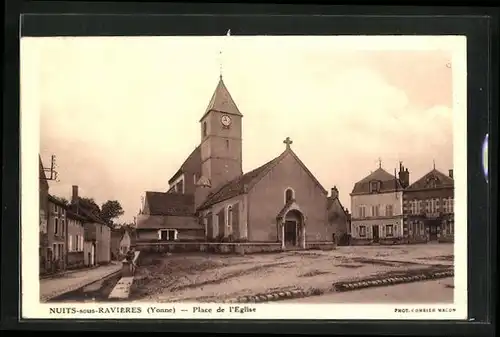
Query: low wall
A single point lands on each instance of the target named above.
(75, 260)
(321, 245)
(381, 241)
(209, 247)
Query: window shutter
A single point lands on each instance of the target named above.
(159, 234)
(175, 234)
(70, 243)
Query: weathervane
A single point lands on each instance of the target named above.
(220, 55)
(52, 170)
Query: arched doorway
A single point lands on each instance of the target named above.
(293, 230)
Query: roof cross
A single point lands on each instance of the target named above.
(379, 162)
(288, 142)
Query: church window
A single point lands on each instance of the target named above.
(289, 195)
(229, 218)
(204, 129)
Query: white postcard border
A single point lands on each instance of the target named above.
(30, 145)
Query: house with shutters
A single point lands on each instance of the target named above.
(377, 207)
(428, 208)
(278, 205)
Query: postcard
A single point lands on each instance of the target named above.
(244, 177)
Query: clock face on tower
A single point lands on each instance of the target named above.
(225, 120)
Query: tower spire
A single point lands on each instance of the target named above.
(220, 56)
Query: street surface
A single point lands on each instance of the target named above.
(53, 287)
(208, 277)
(435, 291)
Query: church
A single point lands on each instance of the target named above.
(277, 206)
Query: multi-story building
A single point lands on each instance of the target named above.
(428, 208)
(97, 233)
(377, 207)
(75, 239)
(43, 250)
(57, 229)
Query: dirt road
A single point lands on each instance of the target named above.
(209, 278)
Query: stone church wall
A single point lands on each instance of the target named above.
(267, 198)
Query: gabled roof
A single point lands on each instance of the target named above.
(56, 201)
(243, 183)
(222, 101)
(91, 217)
(441, 180)
(173, 204)
(192, 163)
(72, 215)
(388, 182)
(331, 201)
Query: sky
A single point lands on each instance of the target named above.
(121, 114)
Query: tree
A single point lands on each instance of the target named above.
(89, 204)
(110, 210)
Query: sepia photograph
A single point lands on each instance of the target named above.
(280, 177)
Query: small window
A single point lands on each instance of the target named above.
(56, 226)
(63, 211)
(168, 234)
(362, 231)
(362, 211)
(389, 211)
(289, 195)
(389, 230)
(375, 210)
(55, 208)
(204, 129)
(374, 186)
(227, 144)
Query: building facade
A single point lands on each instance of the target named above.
(428, 208)
(75, 240)
(57, 229)
(278, 205)
(377, 208)
(43, 250)
(339, 218)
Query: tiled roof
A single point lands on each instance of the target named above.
(165, 222)
(237, 186)
(388, 182)
(174, 204)
(91, 217)
(441, 179)
(54, 200)
(72, 215)
(222, 101)
(241, 184)
(191, 164)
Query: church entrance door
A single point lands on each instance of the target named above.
(290, 233)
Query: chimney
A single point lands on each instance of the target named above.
(450, 173)
(74, 196)
(335, 192)
(404, 176)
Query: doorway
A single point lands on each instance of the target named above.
(376, 235)
(291, 233)
(433, 232)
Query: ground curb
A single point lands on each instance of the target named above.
(274, 296)
(354, 285)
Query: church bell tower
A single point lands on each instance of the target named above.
(221, 141)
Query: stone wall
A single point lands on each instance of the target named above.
(209, 247)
